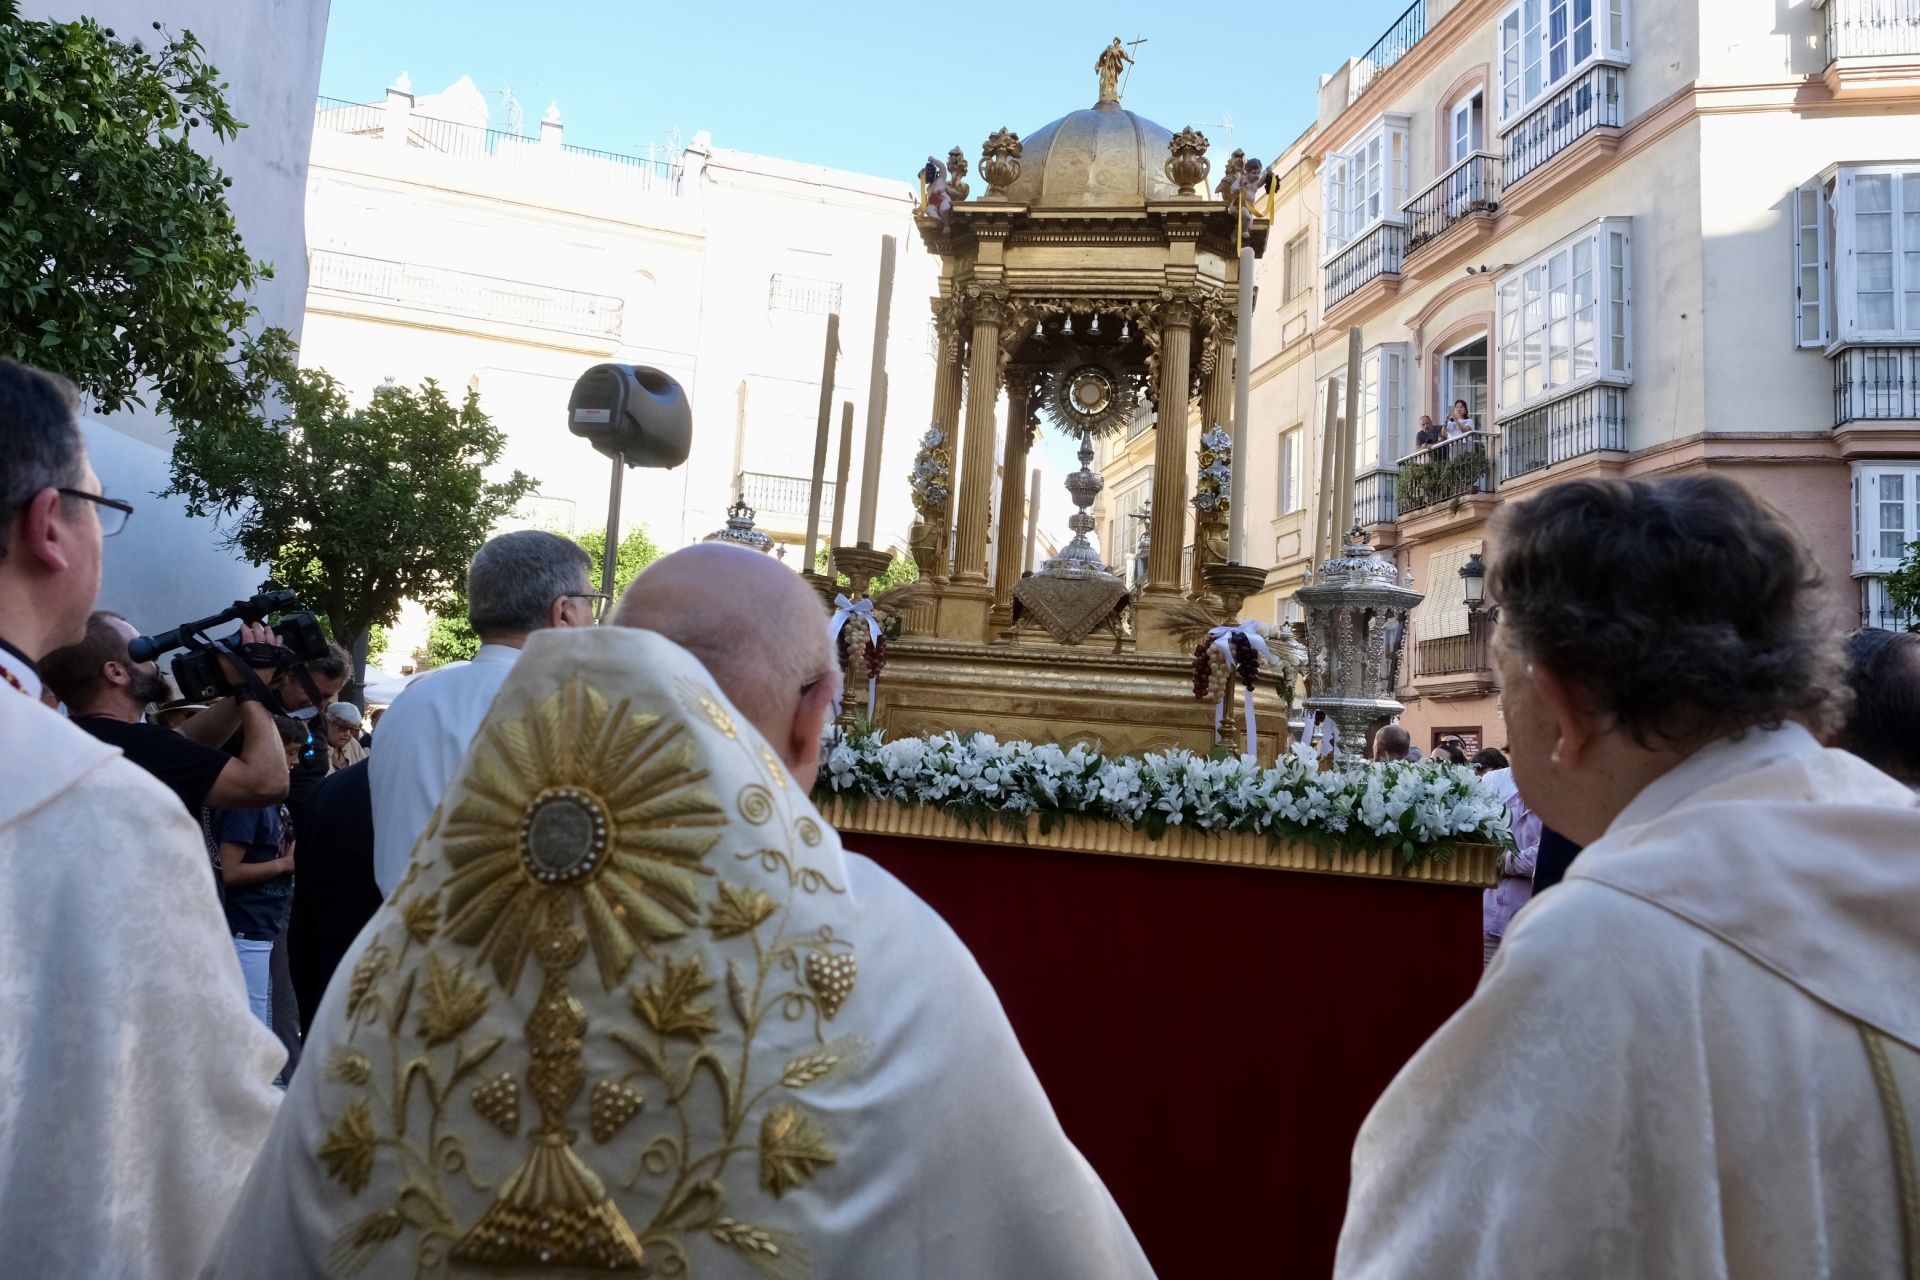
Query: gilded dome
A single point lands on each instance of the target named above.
(1100, 158)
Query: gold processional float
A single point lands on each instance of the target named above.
(1095, 277)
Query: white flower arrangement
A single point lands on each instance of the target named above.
(1419, 811)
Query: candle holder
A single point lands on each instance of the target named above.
(861, 565)
(1233, 583)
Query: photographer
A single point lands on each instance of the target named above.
(107, 695)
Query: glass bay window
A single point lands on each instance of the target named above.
(1367, 183)
(1857, 256)
(1562, 319)
(1544, 43)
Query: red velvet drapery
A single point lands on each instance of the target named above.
(1211, 1037)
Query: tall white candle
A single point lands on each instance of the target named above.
(820, 440)
(876, 397)
(1033, 515)
(840, 477)
(1242, 393)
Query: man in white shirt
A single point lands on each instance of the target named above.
(138, 1085)
(518, 583)
(1698, 1055)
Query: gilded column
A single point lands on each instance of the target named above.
(1216, 410)
(948, 317)
(1008, 544)
(965, 603)
(1169, 530)
(1170, 453)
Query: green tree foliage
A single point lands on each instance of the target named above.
(902, 571)
(1903, 586)
(357, 509)
(637, 551)
(450, 638)
(120, 265)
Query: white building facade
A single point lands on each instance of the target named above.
(443, 248)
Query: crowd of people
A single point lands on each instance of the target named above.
(1729, 970)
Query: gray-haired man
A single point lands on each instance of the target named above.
(518, 583)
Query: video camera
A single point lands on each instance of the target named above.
(197, 671)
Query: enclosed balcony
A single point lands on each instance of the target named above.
(1373, 498)
(1446, 473)
(1375, 255)
(1872, 28)
(1876, 384)
(1471, 189)
(1593, 420)
(1592, 100)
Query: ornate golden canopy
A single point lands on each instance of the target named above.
(1101, 158)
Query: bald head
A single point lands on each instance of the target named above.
(757, 627)
(1391, 743)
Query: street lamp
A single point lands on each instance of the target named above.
(1473, 587)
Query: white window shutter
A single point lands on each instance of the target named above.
(1333, 199)
(1810, 267)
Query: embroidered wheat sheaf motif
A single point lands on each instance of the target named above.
(579, 840)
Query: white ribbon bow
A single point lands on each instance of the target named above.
(844, 611)
(1220, 639)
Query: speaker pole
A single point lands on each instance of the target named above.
(609, 553)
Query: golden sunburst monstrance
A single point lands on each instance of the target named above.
(587, 800)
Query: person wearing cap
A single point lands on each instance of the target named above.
(343, 736)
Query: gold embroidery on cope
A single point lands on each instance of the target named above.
(583, 828)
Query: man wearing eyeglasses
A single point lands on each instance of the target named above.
(518, 583)
(126, 1042)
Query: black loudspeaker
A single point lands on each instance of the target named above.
(634, 413)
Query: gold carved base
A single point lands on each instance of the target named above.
(1117, 703)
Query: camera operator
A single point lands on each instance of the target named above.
(107, 695)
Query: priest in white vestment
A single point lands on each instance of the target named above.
(135, 1084)
(1698, 1056)
(633, 1008)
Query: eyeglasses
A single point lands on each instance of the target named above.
(597, 601)
(110, 524)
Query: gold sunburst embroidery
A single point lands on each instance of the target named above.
(584, 799)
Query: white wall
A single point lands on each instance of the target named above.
(166, 567)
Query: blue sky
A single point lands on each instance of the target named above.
(856, 85)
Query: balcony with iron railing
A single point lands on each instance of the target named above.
(551, 159)
(463, 293)
(1872, 28)
(1594, 99)
(1876, 384)
(1592, 420)
(784, 496)
(1406, 31)
(1446, 472)
(1374, 254)
(1461, 655)
(1374, 498)
(1471, 188)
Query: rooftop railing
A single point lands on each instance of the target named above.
(1406, 31)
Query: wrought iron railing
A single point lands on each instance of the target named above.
(1587, 421)
(1446, 471)
(1454, 655)
(1877, 609)
(1373, 498)
(1872, 383)
(1406, 31)
(537, 306)
(1377, 253)
(337, 115)
(783, 495)
(1872, 28)
(1594, 99)
(471, 141)
(1470, 187)
(803, 293)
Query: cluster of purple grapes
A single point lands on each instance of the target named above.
(1246, 660)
